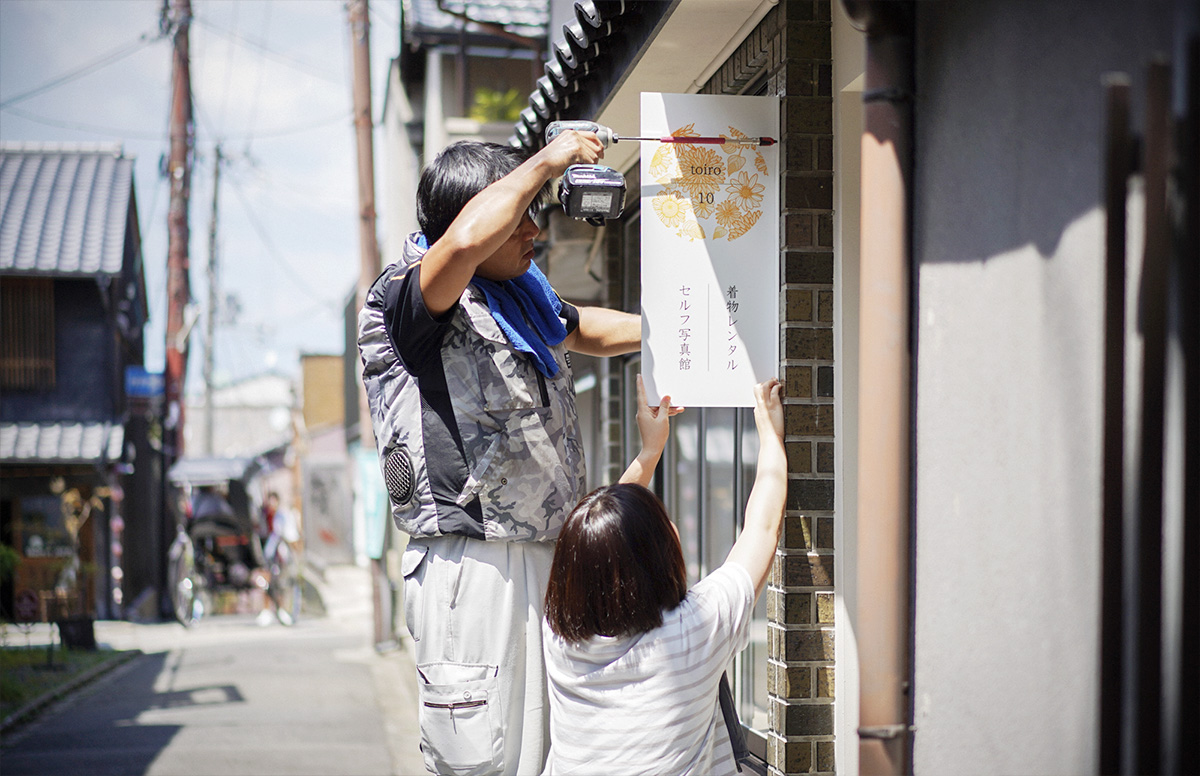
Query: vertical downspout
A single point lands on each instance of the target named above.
(886, 353)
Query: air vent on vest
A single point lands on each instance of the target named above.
(398, 475)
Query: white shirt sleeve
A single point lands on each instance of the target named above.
(727, 597)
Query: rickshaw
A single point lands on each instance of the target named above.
(219, 542)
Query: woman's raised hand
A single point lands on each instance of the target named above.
(653, 422)
(654, 427)
(768, 407)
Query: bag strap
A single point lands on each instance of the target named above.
(737, 736)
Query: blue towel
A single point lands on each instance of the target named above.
(526, 309)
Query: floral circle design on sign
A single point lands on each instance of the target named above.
(701, 184)
(671, 208)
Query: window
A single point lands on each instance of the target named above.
(751, 666)
(704, 481)
(26, 333)
(708, 471)
(42, 530)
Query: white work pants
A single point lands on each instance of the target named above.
(474, 610)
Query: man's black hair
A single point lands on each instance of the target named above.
(458, 173)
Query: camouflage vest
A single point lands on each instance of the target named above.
(518, 431)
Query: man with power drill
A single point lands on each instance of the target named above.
(464, 347)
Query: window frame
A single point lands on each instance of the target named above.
(666, 486)
(27, 334)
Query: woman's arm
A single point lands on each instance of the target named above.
(654, 427)
(755, 547)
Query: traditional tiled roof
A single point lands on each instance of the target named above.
(527, 18)
(64, 209)
(587, 60)
(60, 442)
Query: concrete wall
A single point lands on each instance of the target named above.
(250, 417)
(848, 63)
(1008, 236)
(399, 171)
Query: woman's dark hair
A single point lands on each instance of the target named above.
(617, 567)
(458, 173)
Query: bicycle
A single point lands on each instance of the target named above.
(187, 586)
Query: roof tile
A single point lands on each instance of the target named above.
(63, 210)
(61, 442)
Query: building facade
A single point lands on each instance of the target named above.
(786, 682)
(942, 308)
(80, 480)
(943, 595)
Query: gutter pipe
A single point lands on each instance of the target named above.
(886, 415)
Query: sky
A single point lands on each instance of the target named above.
(271, 82)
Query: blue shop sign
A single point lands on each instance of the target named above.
(143, 384)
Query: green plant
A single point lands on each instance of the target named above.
(9, 560)
(23, 676)
(495, 105)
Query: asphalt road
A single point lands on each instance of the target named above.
(230, 697)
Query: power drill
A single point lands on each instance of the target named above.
(590, 192)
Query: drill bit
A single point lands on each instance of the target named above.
(752, 142)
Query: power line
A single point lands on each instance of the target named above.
(107, 59)
(345, 115)
(272, 251)
(229, 68)
(258, 86)
(133, 134)
(250, 134)
(117, 132)
(262, 48)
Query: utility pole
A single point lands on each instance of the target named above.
(360, 44)
(360, 40)
(179, 173)
(175, 19)
(210, 328)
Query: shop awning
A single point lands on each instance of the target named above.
(33, 443)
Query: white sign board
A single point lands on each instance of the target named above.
(710, 249)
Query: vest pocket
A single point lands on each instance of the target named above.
(460, 717)
(508, 379)
(520, 481)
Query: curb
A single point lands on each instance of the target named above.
(28, 711)
(312, 594)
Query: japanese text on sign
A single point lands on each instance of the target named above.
(710, 249)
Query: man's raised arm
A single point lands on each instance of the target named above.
(492, 216)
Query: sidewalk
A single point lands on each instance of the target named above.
(342, 601)
(345, 594)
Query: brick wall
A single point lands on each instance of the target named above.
(790, 52)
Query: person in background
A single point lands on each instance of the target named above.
(634, 657)
(464, 347)
(282, 531)
(281, 525)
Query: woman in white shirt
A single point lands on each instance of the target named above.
(634, 657)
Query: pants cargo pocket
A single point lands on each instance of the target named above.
(412, 565)
(461, 723)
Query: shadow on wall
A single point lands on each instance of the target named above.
(1009, 118)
